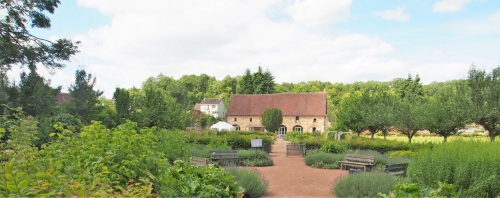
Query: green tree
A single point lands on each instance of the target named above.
(245, 85)
(122, 103)
(350, 113)
(272, 119)
(379, 112)
(19, 47)
(485, 98)
(84, 99)
(36, 97)
(446, 110)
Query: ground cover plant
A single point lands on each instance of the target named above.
(255, 158)
(470, 166)
(364, 185)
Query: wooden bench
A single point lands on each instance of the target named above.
(225, 158)
(396, 169)
(199, 161)
(361, 161)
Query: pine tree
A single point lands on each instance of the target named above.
(83, 97)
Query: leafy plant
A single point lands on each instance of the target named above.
(321, 159)
(405, 189)
(255, 158)
(333, 147)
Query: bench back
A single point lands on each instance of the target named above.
(396, 169)
(228, 153)
(359, 158)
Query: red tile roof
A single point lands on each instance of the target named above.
(291, 104)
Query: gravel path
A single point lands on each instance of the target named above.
(291, 177)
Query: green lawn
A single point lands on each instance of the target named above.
(433, 139)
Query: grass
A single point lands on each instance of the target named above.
(436, 139)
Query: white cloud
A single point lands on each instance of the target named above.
(482, 26)
(442, 71)
(451, 6)
(396, 14)
(494, 19)
(318, 13)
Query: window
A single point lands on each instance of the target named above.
(314, 120)
(235, 119)
(297, 128)
(314, 128)
(213, 106)
(251, 119)
(282, 129)
(296, 119)
(236, 127)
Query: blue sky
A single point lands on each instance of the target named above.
(124, 42)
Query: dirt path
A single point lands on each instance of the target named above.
(291, 177)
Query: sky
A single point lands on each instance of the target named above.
(123, 42)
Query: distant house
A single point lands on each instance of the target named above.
(302, 112)
(63, 98)
(213, 106)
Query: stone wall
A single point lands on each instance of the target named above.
(308, 123)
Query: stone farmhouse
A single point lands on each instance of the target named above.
(212, 106)
(303, 112)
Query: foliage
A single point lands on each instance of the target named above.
(379, 145)
(334, 147)
(256, 83)
(471, 166)
(272, 119)
(485, 98)
(254, 185)
(364, 185)
(255, 158)
(36, 97)
(84, 98)
(446, 111)
(233, 139)
(187, 180)
(19, 47)
(350, 113)
(122, 101)
(173, 144)
(321, 159)
(405, 189)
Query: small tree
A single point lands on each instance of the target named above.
(272, 119)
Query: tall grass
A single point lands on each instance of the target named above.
(364, 185)
(471, 166)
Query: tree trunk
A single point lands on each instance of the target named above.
(445, 138)
(492, 137)
(372, 135)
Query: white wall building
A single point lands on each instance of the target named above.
(214, 107)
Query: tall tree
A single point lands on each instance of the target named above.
(19, 47)
(485, 98)
(408, 112)
(378, 112)
(122, 103)
(272, 119)
(36, 97)
(245, 85)
(84, 98)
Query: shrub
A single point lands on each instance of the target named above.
(313, 144)
(379, 145)
(250, 180)
(320, 159)
(187, 180)
(364, 185)
(405, 189)
(470, 166)
(255, 158)
(333, 147)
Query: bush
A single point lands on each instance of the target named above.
(320, 159)
(187, 180)
(380, 145)
(255, 158)
(470, 166)
(333, 147)
(250, 180)
(405, 189)
(313, 144)
(364, 185)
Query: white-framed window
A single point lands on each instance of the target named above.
(297, 128)
(297, 119)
